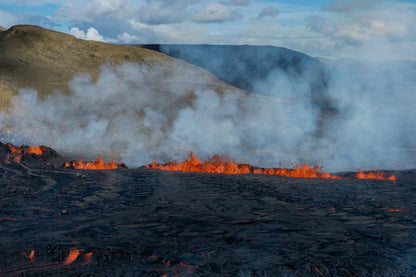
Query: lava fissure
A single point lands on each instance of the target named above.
(374, 175)
(30, 267)
(99, 164)
(216, 164)
(222, 165)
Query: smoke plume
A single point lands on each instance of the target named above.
(137, 114)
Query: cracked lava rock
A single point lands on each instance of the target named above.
(148, 222)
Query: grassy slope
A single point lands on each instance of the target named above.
(46, 60)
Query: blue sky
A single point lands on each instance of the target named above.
(369, 29)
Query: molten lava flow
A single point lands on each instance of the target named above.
(72, 256)
(31, 256)
(38, 267)
(219, 164)
(374, 175)
(95, 165)
(37, 150)
(87, 258)
(16, 153)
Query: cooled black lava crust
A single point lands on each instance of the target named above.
(140, 222)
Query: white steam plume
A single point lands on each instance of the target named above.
(138, 113)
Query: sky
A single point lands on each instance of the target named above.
(334, 29)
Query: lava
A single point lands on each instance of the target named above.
(72, 256)
(16, 153)
(99, 164)
(37, 150)
(87, 258)
(31, 256)
(33, 266)
(222, 165)
(374, 175)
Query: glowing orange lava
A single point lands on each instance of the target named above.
(87, 258)
(94, 165)
(32, 267)
(16, 153)
(37, 150)
(219, 164)
(31, 256)
(374, 175)
(72, 256)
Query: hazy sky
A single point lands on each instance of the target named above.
(324, 28)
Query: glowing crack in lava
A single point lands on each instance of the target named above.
(33, 267)
(87, 258)
(99, 164)
(31, 256)
(374, 175)
(220, 164)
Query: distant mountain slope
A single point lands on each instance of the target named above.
(255, 68)
(31, 56)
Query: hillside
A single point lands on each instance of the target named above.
(31, 56)
(257, 69)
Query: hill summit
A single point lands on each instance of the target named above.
(46, 60)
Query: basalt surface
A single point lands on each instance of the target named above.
(147, 222)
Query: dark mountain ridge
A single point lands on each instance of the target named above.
(249, 67)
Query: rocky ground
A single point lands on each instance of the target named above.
(143, 222)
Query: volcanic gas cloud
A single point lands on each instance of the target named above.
(140, 114)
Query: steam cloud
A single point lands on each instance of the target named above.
(137, 114)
